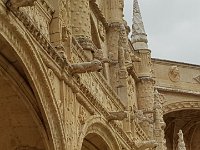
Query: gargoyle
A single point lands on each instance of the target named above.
(121, 115)
(94, 65)
(139, 114)
(19, 3)
(147, 144)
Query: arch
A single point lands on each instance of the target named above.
(181, 106)
(185, 119)
(23, 47)
(16, 99)
(97, 125)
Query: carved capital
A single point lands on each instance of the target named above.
(145, 80)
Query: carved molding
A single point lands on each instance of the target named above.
(44, 42)
(97, 124)
(167, 89)
(180, 106)
(98, 13)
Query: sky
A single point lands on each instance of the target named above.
(172, 26)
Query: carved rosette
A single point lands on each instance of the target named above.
(174, 74)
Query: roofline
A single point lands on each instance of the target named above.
(175, 62)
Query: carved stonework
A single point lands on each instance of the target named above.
(82, 115)
(84, 67)
(54, 50)
(138, 32)
(51, 76)
(174, 74)
(117, 115)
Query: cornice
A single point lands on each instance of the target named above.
(170, 62)
(182, 91)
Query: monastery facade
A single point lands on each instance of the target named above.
(71, 79)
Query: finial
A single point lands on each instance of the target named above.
(138, 32)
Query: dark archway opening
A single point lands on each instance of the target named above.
(94, 142)
(189, 122)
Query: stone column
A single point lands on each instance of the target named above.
(80, 12)
(145, 88)
(81, 25)
(115, 11)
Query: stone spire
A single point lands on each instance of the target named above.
(138, 37)
(181, 143)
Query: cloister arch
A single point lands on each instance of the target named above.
(184, 116)
(98, 134)
(33, 74)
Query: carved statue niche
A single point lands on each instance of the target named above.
(94, 65)
(19, 3)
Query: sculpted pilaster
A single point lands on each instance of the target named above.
(145, 99)
(159, 124)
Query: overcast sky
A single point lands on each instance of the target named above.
(172, 26)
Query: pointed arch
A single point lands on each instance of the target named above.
(28, 56)
(97, 125)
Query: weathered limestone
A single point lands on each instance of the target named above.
(70, 78)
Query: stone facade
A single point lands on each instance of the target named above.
(72, 80)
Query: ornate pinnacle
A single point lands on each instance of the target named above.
(138, 32)
(181, 143)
